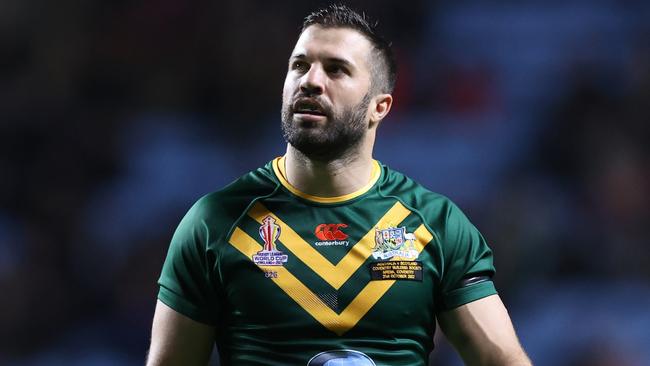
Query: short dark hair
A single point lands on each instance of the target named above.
(384, 68)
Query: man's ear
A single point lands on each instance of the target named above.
(380, 106)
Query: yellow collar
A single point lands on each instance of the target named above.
(278, 169)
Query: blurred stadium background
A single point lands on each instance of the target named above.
(116, 115)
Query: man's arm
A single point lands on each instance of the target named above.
(178, 340)
(483, 334)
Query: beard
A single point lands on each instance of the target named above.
(337, 139)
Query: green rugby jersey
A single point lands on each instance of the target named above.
(288, 278)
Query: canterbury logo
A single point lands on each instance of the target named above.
(330, 232)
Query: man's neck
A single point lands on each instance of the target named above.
(327, 179)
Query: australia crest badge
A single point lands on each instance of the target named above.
(394, 242)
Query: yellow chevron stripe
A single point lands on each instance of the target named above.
(312, 304)
(335, 275)
(423, 237)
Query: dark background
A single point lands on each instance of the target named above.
(115, 116)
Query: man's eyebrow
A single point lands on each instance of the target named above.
(336, 60)
(341, 61)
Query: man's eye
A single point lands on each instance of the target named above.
(299, 66)
(335, 69)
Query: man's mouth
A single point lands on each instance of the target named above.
(308, 106)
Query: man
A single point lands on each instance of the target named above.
(325, 256)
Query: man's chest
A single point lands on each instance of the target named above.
(335, 271)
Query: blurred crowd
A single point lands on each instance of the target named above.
(116, 116)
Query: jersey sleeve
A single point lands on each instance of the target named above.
(465, 254)
(186, 283)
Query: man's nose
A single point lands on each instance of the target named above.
(312, 81)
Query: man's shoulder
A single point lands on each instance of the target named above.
(228, 203)
(439, 211)
(253, 184)
(398, 184)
